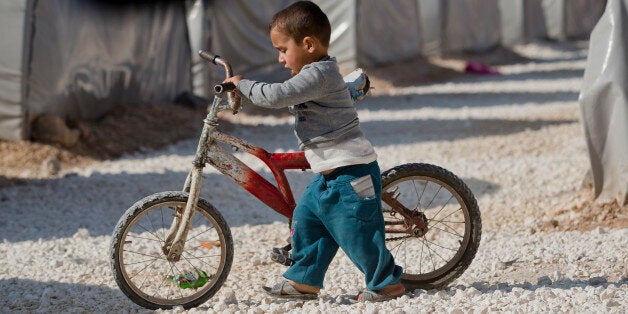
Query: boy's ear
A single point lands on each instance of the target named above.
(309, 43)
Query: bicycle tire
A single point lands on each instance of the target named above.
(413, 181)
(133, 237)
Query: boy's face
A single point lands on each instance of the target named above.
(292, 55)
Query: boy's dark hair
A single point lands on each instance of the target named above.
(301, 19)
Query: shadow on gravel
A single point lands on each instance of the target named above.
(28, 296)
(415, 131)
(564, 284)
(460, 100)
(481, 187)
(60, 207)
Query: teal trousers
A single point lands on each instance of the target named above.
(332, 213)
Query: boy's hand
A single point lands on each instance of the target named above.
(234, 79)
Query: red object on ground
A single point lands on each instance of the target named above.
(479, 68)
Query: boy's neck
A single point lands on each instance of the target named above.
(320, 55)
(323, 57)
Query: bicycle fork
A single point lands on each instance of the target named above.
(177, 235)
(181, 223)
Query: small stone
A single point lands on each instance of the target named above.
(442, 295)
(82, 233)
(50, 167)
(229, 295)
(371, 309)
(472, 292)
(607, 295)
(56, 263)
(558, 276)
(544, 281)
(52, 129)
(597, 281)
(612, 303)
(600, 230)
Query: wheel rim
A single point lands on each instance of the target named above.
(145, 267)
(434, 254)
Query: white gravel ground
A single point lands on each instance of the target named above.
(515, 139)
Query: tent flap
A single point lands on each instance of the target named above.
(604, 103)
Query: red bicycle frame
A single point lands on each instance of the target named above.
(280, 197)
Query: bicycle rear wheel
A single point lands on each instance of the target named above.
(139, 264)
(450, 211)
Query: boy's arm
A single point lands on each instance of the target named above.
(305, 86)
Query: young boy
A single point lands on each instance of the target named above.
(341, 205)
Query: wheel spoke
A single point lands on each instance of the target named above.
(144, 254)
(145, 238)
(154, 235)
(440, 221)
(420, 197)
(150, 220)
(198, 235)
(440, 187)
(443, 207)
(452, 233)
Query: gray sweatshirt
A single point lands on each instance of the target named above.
(319, 100)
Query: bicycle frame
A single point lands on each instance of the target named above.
(210, 151)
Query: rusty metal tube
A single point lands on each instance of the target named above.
(234, 102)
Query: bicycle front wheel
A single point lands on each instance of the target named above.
(139, 264)
(432, 257)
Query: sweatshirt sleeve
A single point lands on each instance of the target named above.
(305, 86)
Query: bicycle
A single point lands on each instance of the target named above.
(163, 255)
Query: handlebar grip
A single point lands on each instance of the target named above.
(224, 87)
(208, 56)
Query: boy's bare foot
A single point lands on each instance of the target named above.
(301, 287)
(390, 291)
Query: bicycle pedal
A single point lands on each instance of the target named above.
(281, 256)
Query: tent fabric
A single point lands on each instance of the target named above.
(471, 25)
(344, 30)
(382, 27)
(87, 57)
(77, 59)
(521, 21)
(239, 33)
(199, 35)
(567, 19)
(12, 15)
(604, 103)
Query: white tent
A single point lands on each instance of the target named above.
(604, 104)
(77, 59)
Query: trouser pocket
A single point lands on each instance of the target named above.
(363, 187)
(358, 198)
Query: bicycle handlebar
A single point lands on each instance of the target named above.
(224, 87)
(234, 102)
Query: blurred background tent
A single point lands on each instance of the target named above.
(77, 59)
(604, 104)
